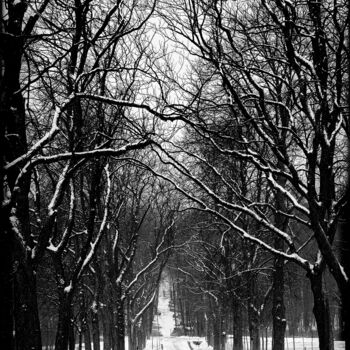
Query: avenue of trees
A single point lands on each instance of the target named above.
(210, 135)
(220, 291)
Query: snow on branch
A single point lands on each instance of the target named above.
(186, 172)
(93, 153)
(68, 230)
(159, 252)
(126, 103)
(40, 144)
(94, 245)
(295, 257)
(144, 308)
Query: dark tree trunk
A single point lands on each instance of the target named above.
(95, 329)
(321, 311)
(237, 326)
(253, 329)
(344, 251)
(107, 323)
(65, 322)
(182, 315)
(307, 314)
(95, 310)
(19, 311)
(253, 316)
(87, 337)
(80, 340)
(217, 333)
(345, 315)
(210, 328)
(278, 308)
(27, 326)
(6, 283)
(120, 329)
(84, 321)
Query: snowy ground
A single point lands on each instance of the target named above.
(189, 343)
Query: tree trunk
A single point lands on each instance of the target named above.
(120, 329)
(210, 327)
(131, 336)
(217, 333)
(19, 311)
(84, 321)
(6, 283)
(80, 340)
(87, 336)
(107, 323)
(253, 316)
(182, 315)
(345, 316)
(95, 329)
(321, 311)
(278, 308)
(237, 326)
(64, 325)
(344, 251)
(27, 326)
(253, 329)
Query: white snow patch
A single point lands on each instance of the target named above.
(68, 288)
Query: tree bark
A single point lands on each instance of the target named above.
(278, 308)
(95, 329)
(131, 336)
(237, 326)
(120, 321)
(87, 336)
(107, 323)
(6, 282)
(253, 329)
(217, 333)
(27, 326)
(65, 322)
(345, 315)
(253, 316)
(344, 251)
(18, 304)
(321, 311)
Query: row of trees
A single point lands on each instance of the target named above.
(85, 231)
(258, 97)
(121, 281)
(266, 104)
(219, 291)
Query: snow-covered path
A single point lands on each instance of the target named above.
(165, 319)
(176, 343)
